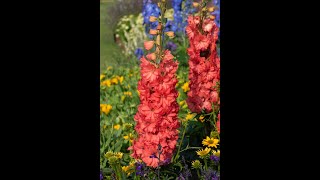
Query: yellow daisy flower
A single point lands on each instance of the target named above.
(181, 103)
(190, 116)
(106, 83)
(106, 108)
(114, 80)
(196, 164)
(108, 154)
(128, 93)
(118, 155)
(117, 127)
(210, 142)
(216, 153)
(120, 78)
(102, 76)
(129, 137)
(201, 118)
(185, 87)
(203, 152)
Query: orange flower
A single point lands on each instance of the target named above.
(152, 56)
(152, 18)
(159, 26)
(195, 4)
(153, 32)
(170, 34)
(211, 9)
(148, 45)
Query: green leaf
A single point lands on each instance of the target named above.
(179, 165)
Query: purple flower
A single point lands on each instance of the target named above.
(101, 175)
(141, 169)
(210, 174)
(165, 162)
(186, 171)
(153, 156)
(171, 46)
(214, 158)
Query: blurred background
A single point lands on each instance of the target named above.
(124, 25)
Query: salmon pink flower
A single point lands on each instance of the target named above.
(157, 116)
(204, 65)
(218, 123)
(151, 56)
(148, 45)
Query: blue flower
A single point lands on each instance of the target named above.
(150, 9)
(178, 24)
(216, 13)
(139, 53)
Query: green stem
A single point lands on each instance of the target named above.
(198, 173)
(119, 171)
(190, 148)
(178, 152)
(205, 163)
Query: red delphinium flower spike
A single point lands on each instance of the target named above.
(204, 65)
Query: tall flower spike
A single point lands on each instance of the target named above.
(204, 64)
(157, 116)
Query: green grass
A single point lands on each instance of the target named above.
(110, 53)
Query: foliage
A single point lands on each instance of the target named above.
(130, 33)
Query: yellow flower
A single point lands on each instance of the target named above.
(190, 116)
(132, 163)
(117, 127)
(196, 164)
(203, 152)
(201, 118)
(128, 93)
(210, 142)
(108, 68)
(216, 153)
(118, 155)
(114, 81)
(120, 78)
(181, 103)
(108, 154)
(113, 160)
(185, 87)
(129, 137)
(102, 76)
(185, 106)
(106, 83)
(128, 169)
(106, 108)
(138, 93)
